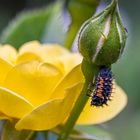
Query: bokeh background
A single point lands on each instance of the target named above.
(127, 70)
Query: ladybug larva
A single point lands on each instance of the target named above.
(103, 87)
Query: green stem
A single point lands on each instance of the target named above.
(71, 36)
(85, 10)
(79, 105)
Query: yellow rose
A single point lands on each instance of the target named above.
(39, 85)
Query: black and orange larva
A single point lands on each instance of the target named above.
(103, 87)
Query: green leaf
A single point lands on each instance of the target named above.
(31, 25)
(54, 31)
(77, 135)
(10, 133)
(85, 133)
(98, 132)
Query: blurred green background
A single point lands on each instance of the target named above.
(127, 70)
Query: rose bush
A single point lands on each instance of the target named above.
(40, 83)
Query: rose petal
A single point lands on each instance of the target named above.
(50, 114)
(5, 67)
(33, 80)
(70, 61)
(73, 77)
(55, 53)
(4, 117)
(30, 47)
(52, 53)
(26, 57)
(49, 53)
(8, 53)
(12, 104)
(96, 115)
(44, 51)
(54, 50)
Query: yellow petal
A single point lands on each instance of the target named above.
(12, 104)
(73, 77)
(96, 115)
(33, 80)
(49, 53)
(8, 53)
(54, 50)
(55, 53)
(32, 47)
(50, 114)
(28, 56)
(4, 117)
(70, 61)
(45, 51)
(58, 63)
(5, 67)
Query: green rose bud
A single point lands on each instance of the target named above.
(102, 38)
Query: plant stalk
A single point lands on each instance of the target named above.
(75, 113)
